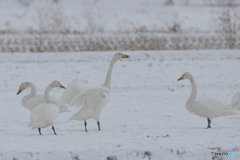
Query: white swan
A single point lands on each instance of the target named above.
(45, 114)
(207, 107)
(236, 100)
(94, 100)
(32, 100)
(73, 89)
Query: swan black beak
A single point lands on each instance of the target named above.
(19, 91)
(181, 78)
(61, 86)
(124, 55)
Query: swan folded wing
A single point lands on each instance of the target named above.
(89, 97)
(75, 87)
(211, 108)
(36, 115)
(44, 115)
(235, 99)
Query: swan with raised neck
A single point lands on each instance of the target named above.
(95, 99)
(116, 57)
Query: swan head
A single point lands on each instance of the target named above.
(185, 75)
(56, 84)
(23, 86)
(118, 56)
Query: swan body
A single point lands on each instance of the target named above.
(210, 108)
(94, 100)
(45, 114)
(236, 100)
(74, 88)
(32, 100)
(207, 107)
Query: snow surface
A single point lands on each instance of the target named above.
(146, 112)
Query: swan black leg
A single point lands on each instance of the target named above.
(39, 130)
(209, 123)
(54, 130)
(85, 124)
(98, 123)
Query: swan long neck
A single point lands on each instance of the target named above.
(193, 94)
(46, 95)
(31, 94)
(109, 74)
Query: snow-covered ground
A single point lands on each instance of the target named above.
(145, 117)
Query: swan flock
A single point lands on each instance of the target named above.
(45, 108)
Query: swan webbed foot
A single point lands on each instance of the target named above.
(54, 130)
(85, 124)
(98, 123)
(209, 123)
(39, 130)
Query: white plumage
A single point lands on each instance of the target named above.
(236, 100)
(207, 107)
(74, 88)
(94, 100)
(45, 114)
(32, 100)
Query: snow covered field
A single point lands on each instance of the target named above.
(145, 118)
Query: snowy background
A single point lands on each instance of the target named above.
(146, 111)
(146, 116)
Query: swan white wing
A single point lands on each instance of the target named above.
(39, 99)
(211, 108)
(92, 102)
(90, 97)
(235, 99)
(43, 115)
(35, 114)
(74, 88)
